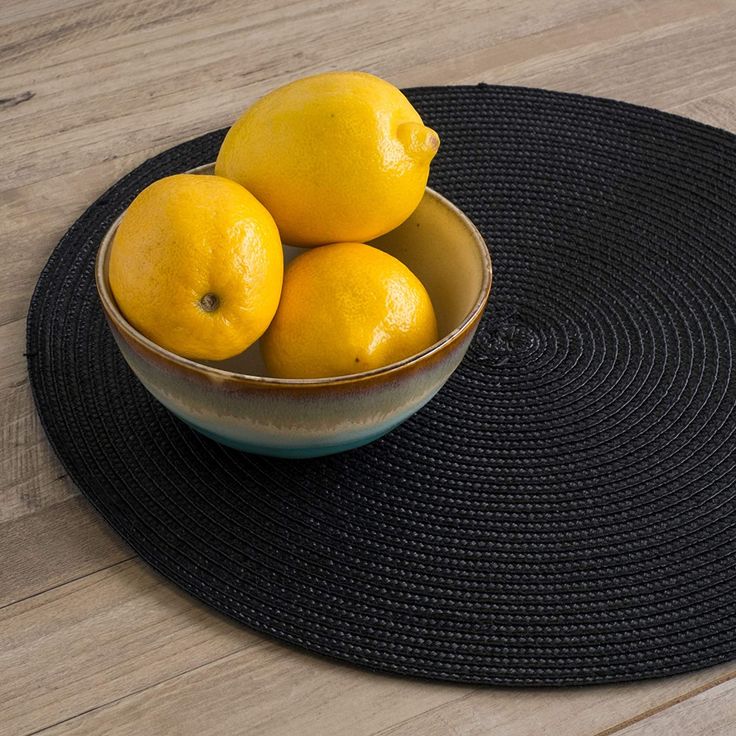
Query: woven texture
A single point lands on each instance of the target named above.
(563, 511)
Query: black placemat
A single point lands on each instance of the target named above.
(563, 511)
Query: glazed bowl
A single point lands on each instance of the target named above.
(237, 404)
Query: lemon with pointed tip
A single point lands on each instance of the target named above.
(335, 157)
(196, 265)
(347, 308)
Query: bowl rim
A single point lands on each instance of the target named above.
(115, 315)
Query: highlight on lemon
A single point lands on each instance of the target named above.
(335, 157)
(347, 308)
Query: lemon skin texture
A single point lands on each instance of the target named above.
(336, 157)
(347, 308)
(196, 265)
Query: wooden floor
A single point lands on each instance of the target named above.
(93, 642)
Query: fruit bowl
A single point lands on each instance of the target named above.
(237, 404)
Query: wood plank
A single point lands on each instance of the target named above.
(31, 477)
(37, 215)
(63, 542)
(716, 109)
(16, 11)
(326, 699)
(580, 711)
(269, 689)
(598, 32)
(640, 69)
(13, 371)
(637, 67)
(97, 639)
(120, 631)
(232, 57)
(709, 713)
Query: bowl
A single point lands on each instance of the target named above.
(237, 404)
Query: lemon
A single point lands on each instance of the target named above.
(336, 157)
(196, 265)
(347, 308)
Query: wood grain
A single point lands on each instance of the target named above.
(709, 713)
(93, 642)
(572, 711)
(98, 638)
(61, 543)
(284, 692)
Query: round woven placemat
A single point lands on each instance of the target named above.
(563, 511)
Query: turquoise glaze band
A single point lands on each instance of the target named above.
(295, 452)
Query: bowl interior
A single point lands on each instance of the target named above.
(438, 243)
(446, 253)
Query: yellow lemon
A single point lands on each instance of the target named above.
(341, 156)
(196, 265)
(347, 308)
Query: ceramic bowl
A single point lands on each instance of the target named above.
(237, 404)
